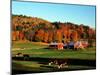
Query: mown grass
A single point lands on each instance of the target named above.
(39, 50)
(28, 45)
(45, 53)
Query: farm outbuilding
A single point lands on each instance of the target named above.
(56, 46)
(70, 45)
(81, 44)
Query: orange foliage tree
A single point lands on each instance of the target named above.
(45, 39)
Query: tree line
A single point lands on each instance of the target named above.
(40, 30)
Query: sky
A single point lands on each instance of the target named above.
(78, 14)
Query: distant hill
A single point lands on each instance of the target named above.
(40, 30)
(24, 21)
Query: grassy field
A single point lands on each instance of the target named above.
(44, 53)
(36, 50)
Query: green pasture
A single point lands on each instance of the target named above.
(41, 51)
(38, 50)
(27, 45)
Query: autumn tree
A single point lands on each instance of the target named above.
(50, 36)
(46, 36)
(38, 29)
(58, 36)
(74, 35)
(21, 35)
(39, 35)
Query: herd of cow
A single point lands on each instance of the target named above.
(61, 63)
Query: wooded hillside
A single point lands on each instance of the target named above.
(40, 30)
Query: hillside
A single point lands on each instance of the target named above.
(40, 30)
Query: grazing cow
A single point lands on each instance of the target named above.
(19, 55)
(24, 56)
(60, 62)
(53, 61)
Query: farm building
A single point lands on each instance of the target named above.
(81, 44)
(56, 45)
(71, 45)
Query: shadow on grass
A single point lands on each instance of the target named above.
(69, 61)
(74, 64)
(27, 70)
